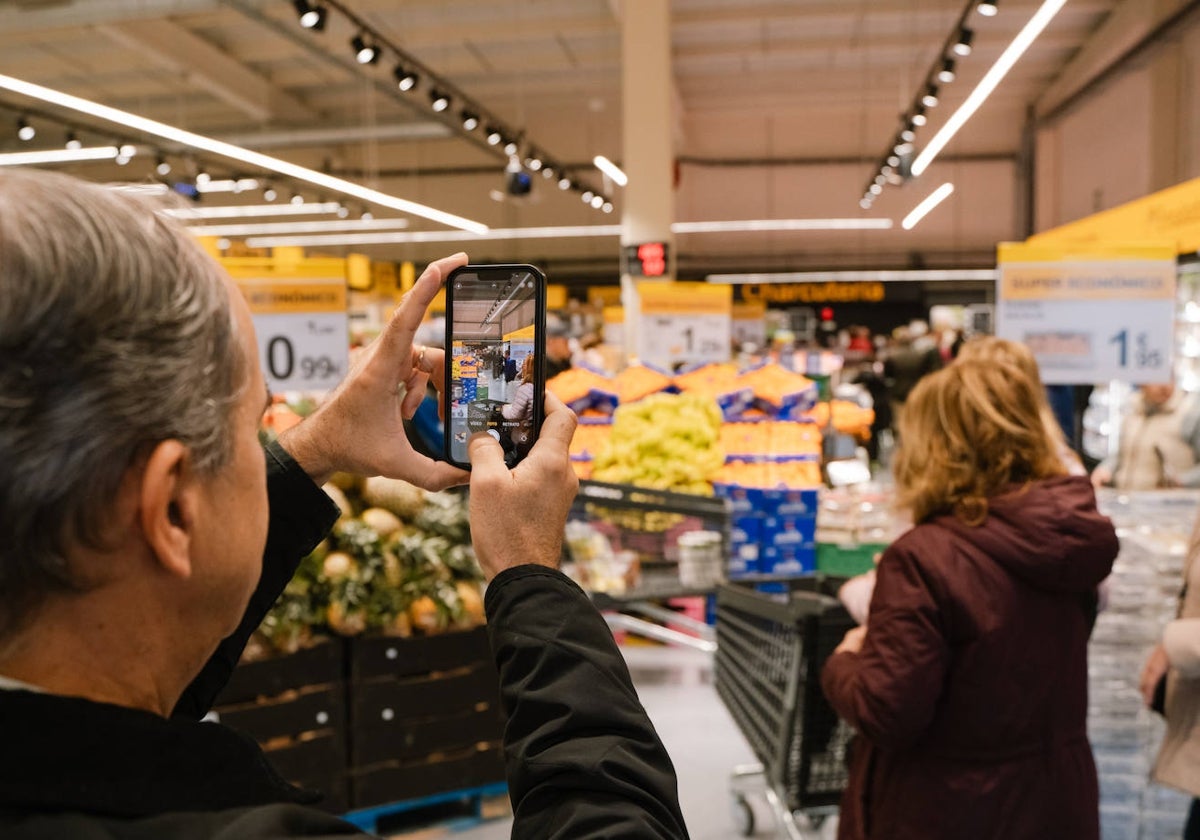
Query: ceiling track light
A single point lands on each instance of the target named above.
(510, 147)
(25, 132)
(918, 117)
(406, 79)
(930, 98)
(364, 53)
(73, 142)
(312, 15)
(908, 135)
(564, 183)
(587, 196)
(607, 207)
(533, 161)
(962, 47)
(269, 193)
(161, 166)
(548, 171)
(988, 8)
(470, 120)
(494, 136)
(439, 100)
(947, 75)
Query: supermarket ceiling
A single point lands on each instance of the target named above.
(783, 110)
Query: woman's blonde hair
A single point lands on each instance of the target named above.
(527, 368)
(970, 432)
(989, 349)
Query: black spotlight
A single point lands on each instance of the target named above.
(519, 183)
(470, 120)
(364, 53)
(312, 15)
(406, 79)
(440, 100)
(963, 45)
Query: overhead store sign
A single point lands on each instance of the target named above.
(1104, 314)
(1170, 215)
(832, 292)
(302, 331)
(683, 324)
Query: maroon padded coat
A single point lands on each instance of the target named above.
(970, 692)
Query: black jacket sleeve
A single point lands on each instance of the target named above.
(583, 759)
(300, 517)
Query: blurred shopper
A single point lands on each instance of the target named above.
(1159, 444)
(904, 367)
(968, 685)
(1170, 685)
(558, 348)
(146, 533)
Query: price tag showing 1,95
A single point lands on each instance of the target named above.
(302, 331)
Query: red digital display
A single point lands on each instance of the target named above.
(646, 260)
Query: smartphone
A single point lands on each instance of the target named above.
(496, 355)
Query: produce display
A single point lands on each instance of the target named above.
(398, 562)
(639, 381)
(665, 442)
(848, 418)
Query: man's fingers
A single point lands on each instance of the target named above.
(397, 336)
(486, 457)
(415, 393)
(442, 475)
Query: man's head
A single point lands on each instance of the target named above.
(558, 341)
(129, 400)
(1156, 396)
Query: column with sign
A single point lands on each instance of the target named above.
(684, 324)
(302, 331)
(1103, 315)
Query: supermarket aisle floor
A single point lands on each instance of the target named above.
(676, 688)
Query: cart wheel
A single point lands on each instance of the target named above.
(743, 816)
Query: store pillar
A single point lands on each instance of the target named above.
(648, 154)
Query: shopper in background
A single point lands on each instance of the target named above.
(1159, 444)
(1170, 685)
(146, 533)
(904, 367)
(558, 348)
(968, 684)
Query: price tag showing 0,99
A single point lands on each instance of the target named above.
(302, 332)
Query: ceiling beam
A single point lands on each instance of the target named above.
(206, 66)
(18, 17)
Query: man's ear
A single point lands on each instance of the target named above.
(169, 506)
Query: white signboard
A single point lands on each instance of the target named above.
(1091, 320)
(684, 324)
(302, 329)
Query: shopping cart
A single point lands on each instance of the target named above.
(770, 649)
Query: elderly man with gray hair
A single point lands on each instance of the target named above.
(146, 533)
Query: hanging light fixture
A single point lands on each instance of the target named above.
(405, 79)
(930, 98)
(470, 120)
(364, 53)
(947, 75)
(73, 142)
(312, 15)
(25, 132)
(439, 100)
(988, 8)
(963, 45)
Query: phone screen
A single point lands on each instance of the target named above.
(495, 325)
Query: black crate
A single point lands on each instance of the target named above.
(322, 663)
(323, 755)
(378, 702)
(400, 657)
(288, 714)
(395, 781)
(770, 651)
(413, 738)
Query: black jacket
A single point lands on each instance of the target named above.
(582, 758)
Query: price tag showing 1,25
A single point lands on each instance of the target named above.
(302, 329)
(684, 324)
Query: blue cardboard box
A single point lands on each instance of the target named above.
(788, 559)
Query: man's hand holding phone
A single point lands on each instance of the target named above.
(518, 515)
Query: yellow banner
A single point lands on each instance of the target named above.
(1172, 215)
(556, 296)
(275, 297)
(614, 314)
(669, 298)
(749, 311)
(523, 334)
(1113, 271)
(604, 295)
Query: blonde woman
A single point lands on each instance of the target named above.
(968, 685)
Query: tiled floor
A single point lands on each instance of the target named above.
(675, 686)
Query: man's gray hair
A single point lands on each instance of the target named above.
(116, 333)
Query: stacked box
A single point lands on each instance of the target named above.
(295, 707)
(773, 530)
(424, 717)
(1153, 528)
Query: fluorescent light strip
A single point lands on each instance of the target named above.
(249, 211)
(562, 232)
(748, 225)
(227, 186)
(988, 83)
(931, 201)
(297, 227)
(59, 156)
(567, 232)
(244, 157)
(611, 170)
(881, 276)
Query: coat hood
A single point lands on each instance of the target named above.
(1048, 533)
